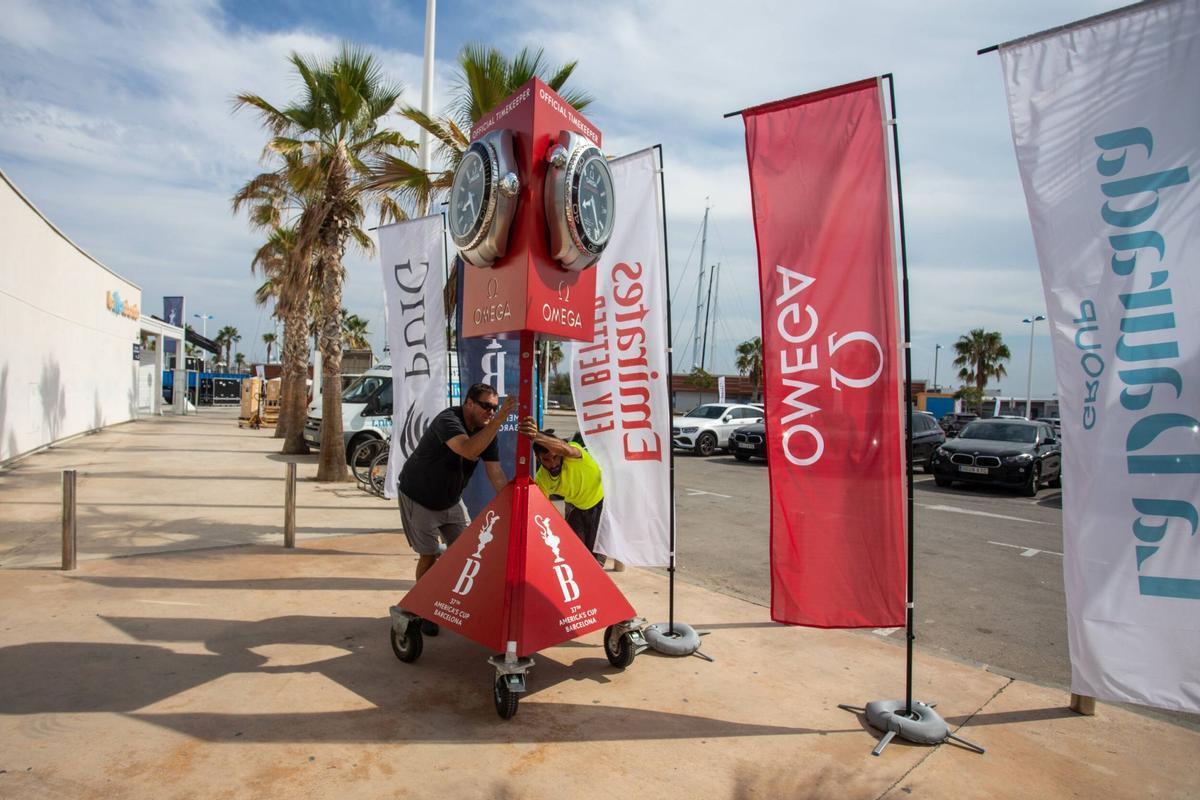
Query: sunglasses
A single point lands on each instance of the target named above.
(492, 407)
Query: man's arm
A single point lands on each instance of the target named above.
(496, 475)
(552, 443)
(472, 446)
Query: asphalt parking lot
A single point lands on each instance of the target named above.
(989, 587)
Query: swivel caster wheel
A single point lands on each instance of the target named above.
(504, 698)
(408, 643)
(618, 646)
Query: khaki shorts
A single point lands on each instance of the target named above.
(423, 526)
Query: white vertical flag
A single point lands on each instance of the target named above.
(1105, 116)
(413, 280)
(618, 379)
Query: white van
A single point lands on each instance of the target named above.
(366, 410)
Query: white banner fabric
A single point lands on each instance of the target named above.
(1104, 118)
(619, 379)
(411, 254)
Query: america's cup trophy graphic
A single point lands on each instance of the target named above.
(530, 211)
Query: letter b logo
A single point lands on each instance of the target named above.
(566, 581)
(466, 581)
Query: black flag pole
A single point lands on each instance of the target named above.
(662, 188)
(915, 722)
(909, 634)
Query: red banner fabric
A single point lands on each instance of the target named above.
(822, 216)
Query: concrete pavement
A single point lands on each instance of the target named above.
(254, 671)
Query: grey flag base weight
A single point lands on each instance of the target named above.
(923, 726)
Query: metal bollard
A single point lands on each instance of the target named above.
(289, 507)
(68, 519)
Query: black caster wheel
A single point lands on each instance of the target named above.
(504, 698)
(617, 647)
(408, 646)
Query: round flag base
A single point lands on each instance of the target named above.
(922, 726)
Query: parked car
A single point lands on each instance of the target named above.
(706, 428)
(1056, 424)
(1010, 452)
(749, 441)
(927, 437)
(953, 423)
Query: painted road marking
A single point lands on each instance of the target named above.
(884, 631)
(698, 492)
(954, 510)
(1028, 552)
(169, 603)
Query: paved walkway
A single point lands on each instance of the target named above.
(255, 671)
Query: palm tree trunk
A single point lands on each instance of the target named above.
(293, 400)
(332, 466)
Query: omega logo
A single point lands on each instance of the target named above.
(493, 288)
(564, 292)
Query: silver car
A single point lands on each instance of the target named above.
(706, 428)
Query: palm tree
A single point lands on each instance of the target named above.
(269, 340)
(981, 355)
(354, 331)
(550, 356)
(240, 361)
(326, 140)
(701, 379)
(750, 362)
(226, 337)
(484, 78)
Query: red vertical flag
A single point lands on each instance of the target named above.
(822, 216)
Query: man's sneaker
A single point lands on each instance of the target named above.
(429, 628)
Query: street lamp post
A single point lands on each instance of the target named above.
(1032, 322)
(205, 318)
(937, 350)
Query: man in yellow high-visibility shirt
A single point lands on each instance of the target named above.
(569, 471)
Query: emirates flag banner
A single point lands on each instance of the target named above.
(619, 379)
(822, 215)
(1105, 117)
(413, 279)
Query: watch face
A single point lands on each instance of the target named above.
(594, 198)
(467, 195)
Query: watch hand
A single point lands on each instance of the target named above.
(595, 222)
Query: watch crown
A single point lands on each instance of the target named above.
(557, 156)
(510, 184)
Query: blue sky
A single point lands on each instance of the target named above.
(115, 120)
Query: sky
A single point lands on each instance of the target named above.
(116, 121)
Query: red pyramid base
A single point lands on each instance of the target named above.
(518, 574)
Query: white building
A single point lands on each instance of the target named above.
(76, 353)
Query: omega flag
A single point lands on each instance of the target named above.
(1105, 116)
(411, 254)
(819, 183)
(618, 379)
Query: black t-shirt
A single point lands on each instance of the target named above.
(434, 475)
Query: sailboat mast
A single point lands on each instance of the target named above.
(697, 355)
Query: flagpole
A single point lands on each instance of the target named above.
(662, 183)
(908, 421)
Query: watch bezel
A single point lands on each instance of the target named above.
(575, 169)
(487, 204)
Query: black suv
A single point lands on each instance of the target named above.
(927, 437)
(953, 423)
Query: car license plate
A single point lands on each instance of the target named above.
(974, 470)
(745, 445)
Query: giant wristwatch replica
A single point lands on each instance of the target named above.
(483, 199)
(579, 201)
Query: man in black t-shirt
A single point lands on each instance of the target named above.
(434, 476)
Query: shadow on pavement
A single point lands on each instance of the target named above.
(438, 699)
